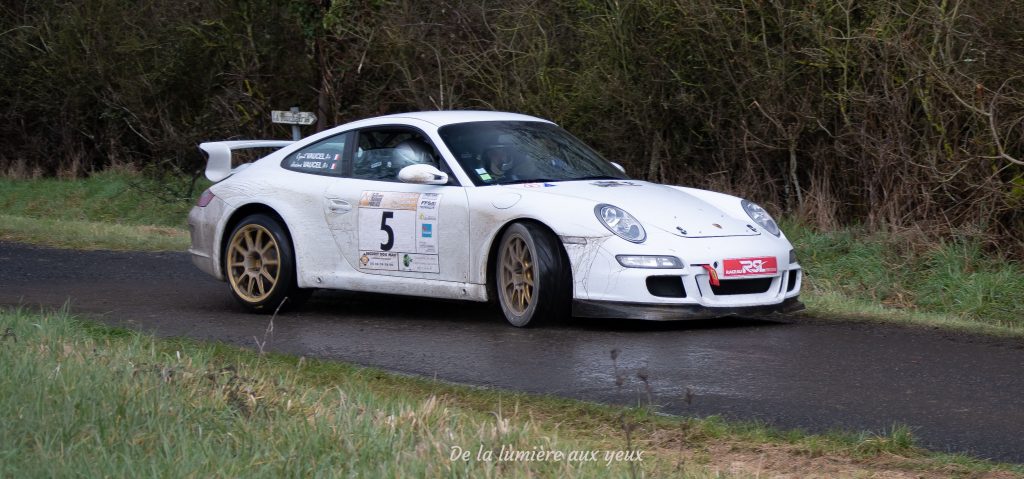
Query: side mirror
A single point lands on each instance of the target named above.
(422, 174)
(619, 167)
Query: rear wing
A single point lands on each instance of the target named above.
(218, 163)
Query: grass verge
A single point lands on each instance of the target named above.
(953, 283)
(109, 210)
(116, 197)
(87, 400)
(88, 235)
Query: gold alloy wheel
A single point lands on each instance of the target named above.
(253, 263)
(517, 275)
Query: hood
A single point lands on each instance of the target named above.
(654, 205)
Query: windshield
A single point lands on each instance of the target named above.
(506, 152)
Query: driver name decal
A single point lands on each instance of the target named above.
(399, 231)
(766, 265)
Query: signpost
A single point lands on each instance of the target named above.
(294, 117)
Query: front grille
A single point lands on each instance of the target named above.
(793, 275)
(666, 286)
(742, 286)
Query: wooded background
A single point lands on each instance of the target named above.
(894, 114)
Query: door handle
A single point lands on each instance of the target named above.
(335, 205)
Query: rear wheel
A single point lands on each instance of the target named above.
(533, 278)
(260, 265)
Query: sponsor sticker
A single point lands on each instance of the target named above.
(539, 185)
(371, 200)
(389, 200)
(419, 263)
(379, 260)
(609, 184)
(765, 265)
(428, 202)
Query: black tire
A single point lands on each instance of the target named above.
(532, 276)
(259, 264)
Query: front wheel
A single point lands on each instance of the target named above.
(260, 265)
(533, 277)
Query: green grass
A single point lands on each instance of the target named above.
(107, 197)
(952, 283)
(82, 399)
(109, 210)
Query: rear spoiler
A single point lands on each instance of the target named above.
(218, 163)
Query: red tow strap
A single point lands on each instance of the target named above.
(712, 274)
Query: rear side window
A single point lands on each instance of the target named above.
(322, 158)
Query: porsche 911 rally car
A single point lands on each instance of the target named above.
(482, 206)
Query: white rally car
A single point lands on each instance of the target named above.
(482, 206)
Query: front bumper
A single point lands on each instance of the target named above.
(604, 288)
(673, 312)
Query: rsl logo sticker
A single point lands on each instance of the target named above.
(765, 265)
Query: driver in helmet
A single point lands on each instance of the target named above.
(498, 162)
(412, 152)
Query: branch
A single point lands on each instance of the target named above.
(990, 114)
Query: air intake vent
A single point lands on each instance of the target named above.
(666, 286)
(742, 286)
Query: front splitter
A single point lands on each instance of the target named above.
(675, 312)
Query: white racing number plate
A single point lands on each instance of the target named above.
(399, 231)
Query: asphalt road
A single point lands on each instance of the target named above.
(958, 392)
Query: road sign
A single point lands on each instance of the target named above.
(293, 117)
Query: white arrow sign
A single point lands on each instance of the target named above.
(293, 117)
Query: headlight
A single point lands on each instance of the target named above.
(761, 217)
(623, 224)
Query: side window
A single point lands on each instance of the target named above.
(322, 158)
(382, 152)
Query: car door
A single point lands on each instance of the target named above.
(385, 227)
